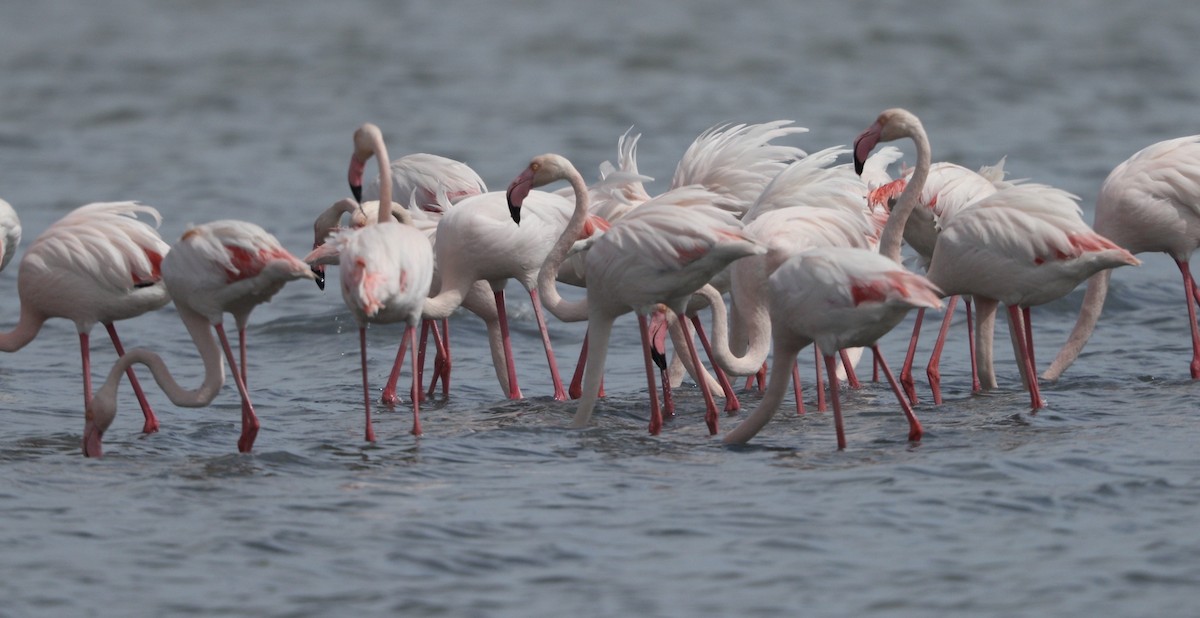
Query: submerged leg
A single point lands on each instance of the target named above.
(250, 423)
(914, 426)
(151, 422)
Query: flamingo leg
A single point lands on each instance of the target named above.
(410, 333)
(933, 369)
(250, 423)
(559, 393)
(426, 325)
(1024, 360)
(796, 387)
(851, 377)
(362, 345)
(441, 359)
(831, 367)
(874, 368)
(731, 400)
(820, 382)
(710, 416)
(85, 358)
(975, 387)
(656, 417)
(242, 354)
(151, 422)
(577, 379)
(389, 396)
(914, 426)
(1193, 297)
(906, 377)
(514, 389)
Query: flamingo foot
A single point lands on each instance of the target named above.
(935, 384)
(909, 385)
(389, 397)
(370, 434)
(151, 425)
(732, 405)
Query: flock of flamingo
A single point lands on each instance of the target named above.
(808, 252)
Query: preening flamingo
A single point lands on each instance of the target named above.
(10, 233)
(846, 297)
(215, 268)
(661, 252)
(1150, 202)
(100, 263)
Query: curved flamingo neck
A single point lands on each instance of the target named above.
(576, 311)
(756, 352)
(330, 218)
(893, 232)
(385, 176)
(447, 300)
(102, 408)
(25, 331)
(1089, 314)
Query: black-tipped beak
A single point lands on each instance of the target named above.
(659, 358)
(515, 212)
(356, 191)
(319, 275)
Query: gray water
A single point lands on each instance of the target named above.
(210, 109)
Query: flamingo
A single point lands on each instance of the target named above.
(661, 252)
(99, 263)
(840, 297)
(10, 233)
(949, 188)
(386, 269)
(220, 267)
(1022, 246)
(1150, 202)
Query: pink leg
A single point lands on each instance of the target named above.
(151, 422)
(851, 377)
(362, 345)
(796, 387)
(731, 400)
(933, 369)
(514, 390)
(1035, 396)
(441, 360)
(914, 426)
(975, 385)
(559, 393)
(820, 384)
(421, 348)
(390, 397)
(874, 368)
(656, 419)
(710, 416)
(576, 388)
(906, 377)
(249, 420)
(410, 333)
(85, 358)
(242, 355)
(1193, 297)
(831, 367)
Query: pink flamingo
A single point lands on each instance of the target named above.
(214, 268)
(661, 252)
(100, 263)
(10, 233)
(1023, 246)
(949, 188)
(1147, 203)
(386, 269)
(841, 297)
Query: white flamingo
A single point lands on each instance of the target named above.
(215, 268)
(1150, 202)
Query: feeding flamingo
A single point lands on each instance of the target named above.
(215, 268)
(1150, 202)
(841, 297)
(661, 252)
(100, 263)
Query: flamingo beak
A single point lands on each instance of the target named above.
(355, 176)
(517, 192)
(318, 271)
(92, 437)
(864, 144)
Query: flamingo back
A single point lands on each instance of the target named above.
(1151, 201)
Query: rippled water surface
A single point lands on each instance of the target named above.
(211, 110)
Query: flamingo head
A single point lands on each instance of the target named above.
(366, 140)
(98, 416)
(892, 124)
(542, 170)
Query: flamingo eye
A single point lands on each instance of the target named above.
(535, 166)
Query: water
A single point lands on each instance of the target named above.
(209, 110)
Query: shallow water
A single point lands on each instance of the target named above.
(211, 110)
